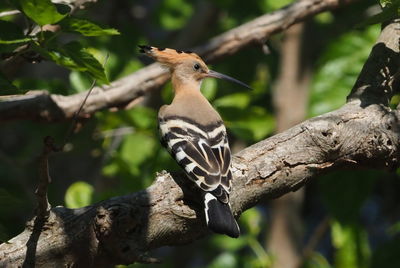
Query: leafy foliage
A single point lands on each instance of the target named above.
(341, 61)
(85, 27)
(40, 11)
(71, 55)
(118, 152)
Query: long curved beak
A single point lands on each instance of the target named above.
(225, 77)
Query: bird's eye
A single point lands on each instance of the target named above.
(196, 66)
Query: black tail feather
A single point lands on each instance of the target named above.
(219, 217)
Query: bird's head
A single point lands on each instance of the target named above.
(185, 65)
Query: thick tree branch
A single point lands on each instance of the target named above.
(40, 105)
(123, 229)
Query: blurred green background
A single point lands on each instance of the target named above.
(116, 153)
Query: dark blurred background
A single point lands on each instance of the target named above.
(344, 219)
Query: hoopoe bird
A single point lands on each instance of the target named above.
(194, 134)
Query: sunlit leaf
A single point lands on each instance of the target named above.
(249, 124)
(59, 57)
(271, 5)
(85, 27)
(41, 11)
(351, 243)
(75, 57)
(143, 117)
(226, 260)
(338, 69)
(227, 243)
(79, 194)
(136, 149)
(85, 60)
(79, 81)
(251, 219)
(238, 100)
(209, 88)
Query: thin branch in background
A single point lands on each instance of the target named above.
(76, 115)
(43, 206)
(9, 13)
(314, 240)
(128, 88)
(49, 147)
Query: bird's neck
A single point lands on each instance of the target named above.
(182, 85)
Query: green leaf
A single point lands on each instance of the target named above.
(86, 27)
(338, 69)
(85, 61)
(11, 33)
(79, 81)
(41, 11)
(209, 88)
(226, 259)
(79, 194)
(58, 56)
(251, 219)
(75, 57)
(238, 100)
(251, 124)
(136, 149)
(143, 117)
(351, 243)
(227, 243)
(387, 3)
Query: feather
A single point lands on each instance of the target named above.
(199, 150)
(219, 217)
(194, 134)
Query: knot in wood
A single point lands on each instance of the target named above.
(102, 222)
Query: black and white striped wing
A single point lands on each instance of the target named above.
(202, 151)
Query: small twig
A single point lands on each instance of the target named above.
(76, 115)
(75, 118)
(43, 206)
(315, 238)
(9, 13)
(49, 147)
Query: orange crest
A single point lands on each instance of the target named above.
(168, 56)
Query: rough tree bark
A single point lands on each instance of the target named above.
(365, 132)
(40, 105)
